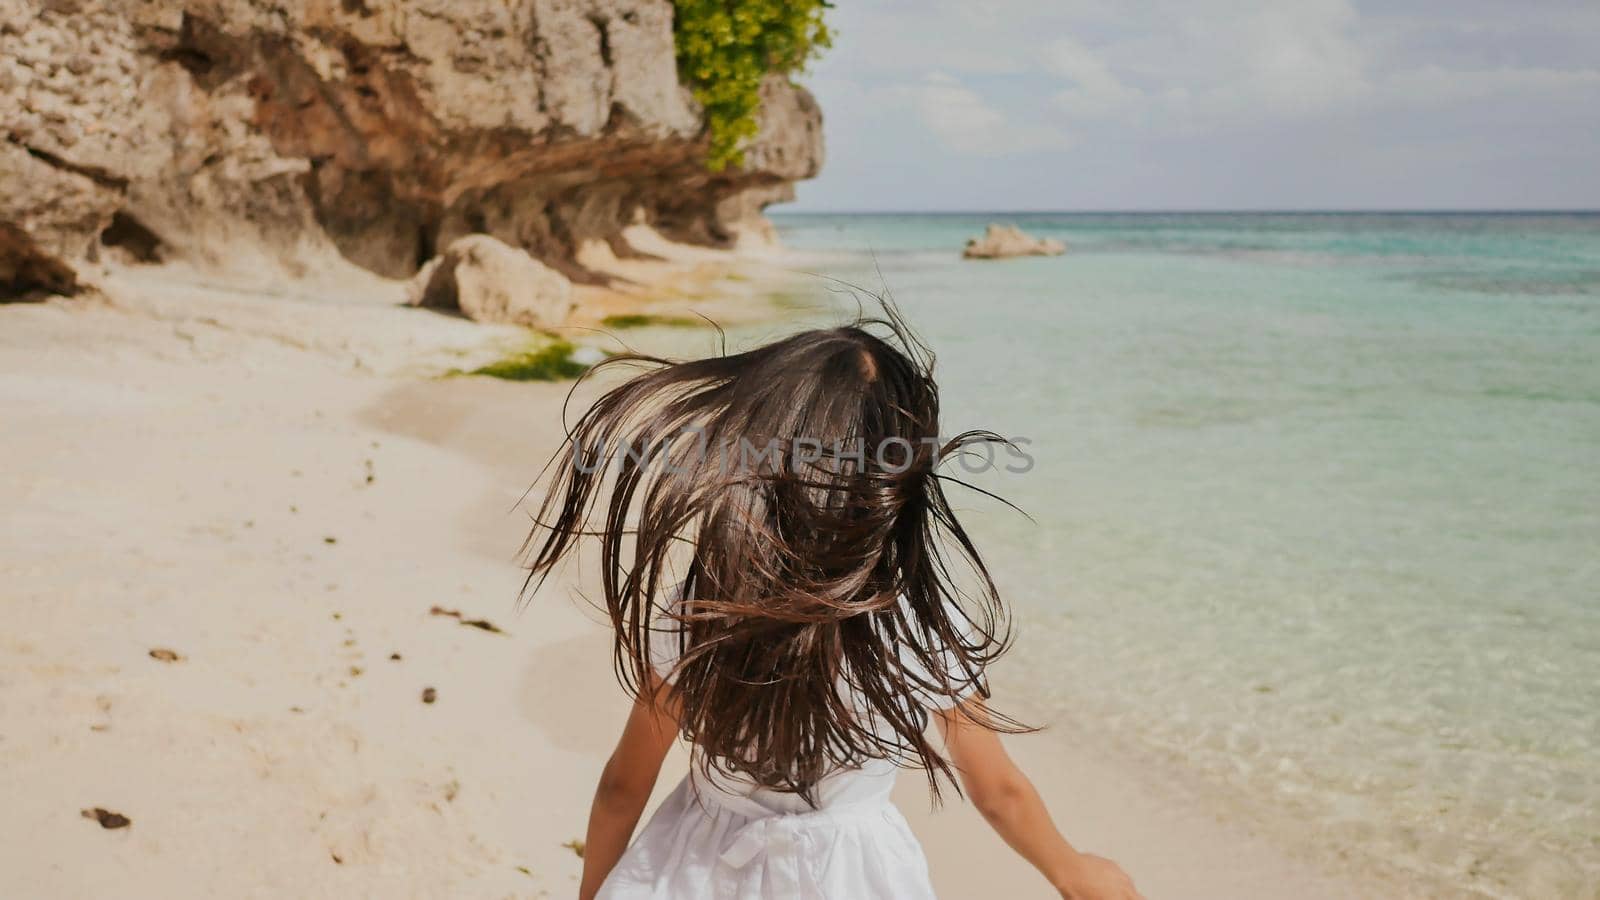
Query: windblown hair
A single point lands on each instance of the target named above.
(794, 493)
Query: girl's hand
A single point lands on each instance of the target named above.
(1011, 804)
(1097, 878)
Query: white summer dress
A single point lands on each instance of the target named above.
(721, 837)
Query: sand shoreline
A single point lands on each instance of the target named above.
(273, 489)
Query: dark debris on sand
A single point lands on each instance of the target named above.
(107, 819)
(483, 624)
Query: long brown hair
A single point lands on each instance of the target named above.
(794, 492)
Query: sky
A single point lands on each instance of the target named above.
(1208, 104)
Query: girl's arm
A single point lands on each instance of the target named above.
(1012, 806)
(625, 786)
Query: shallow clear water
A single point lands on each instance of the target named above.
(1317, 505)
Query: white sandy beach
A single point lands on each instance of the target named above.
(277, 490)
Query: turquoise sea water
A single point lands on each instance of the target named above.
(1317, 509)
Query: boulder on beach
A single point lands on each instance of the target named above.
(491, 281)
(1004, 241)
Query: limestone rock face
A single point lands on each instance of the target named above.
(489, 281)
(1004, 241)
(27, 272)
(207, 130)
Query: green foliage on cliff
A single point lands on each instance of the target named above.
(724, 49)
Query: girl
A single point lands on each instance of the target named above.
(776, 559)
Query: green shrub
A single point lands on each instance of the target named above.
(644, 320)
(551, 362)
(724, 49)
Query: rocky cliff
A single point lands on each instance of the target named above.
(222, 132)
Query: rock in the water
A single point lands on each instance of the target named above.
(1004, 241)
(489, 281)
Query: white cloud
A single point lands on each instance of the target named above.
(1297, 57)
(969, 37)
(1198, 66)
(1165, 86)
(966, 123)
(1433, 85)
(1092, 90)
(1195, 69)
(954, 111)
